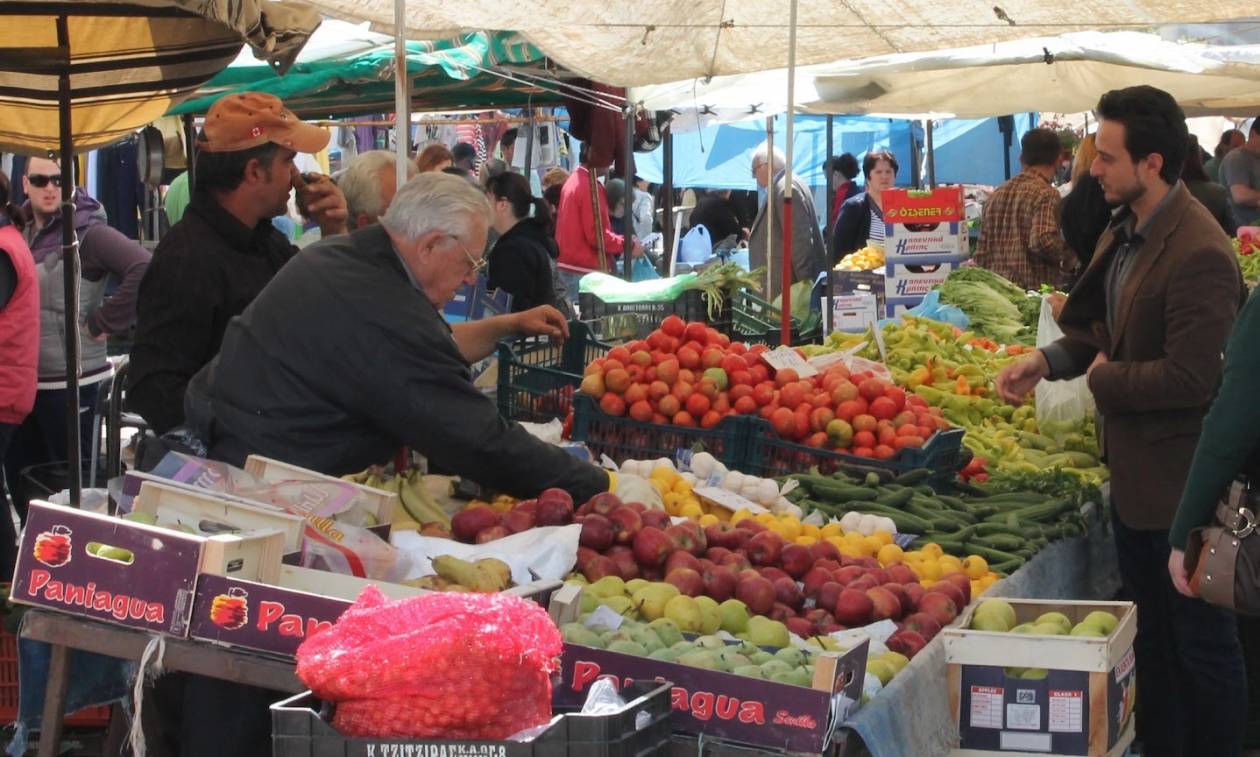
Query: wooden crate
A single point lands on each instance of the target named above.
(1082, 707)
(174, 504)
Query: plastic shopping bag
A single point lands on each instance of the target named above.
(1059, 400)
(695, 246)
(933, 309)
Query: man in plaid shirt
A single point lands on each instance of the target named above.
(1019, 234)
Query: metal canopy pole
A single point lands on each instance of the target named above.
(786, 281)
(190, 151)
(70, 271)
(667, 217)
(931, 156)
(627, 199)
(402, 102)
(529, 148)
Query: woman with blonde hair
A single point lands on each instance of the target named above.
(434, 157)
(1084, 213)
(1086, 151)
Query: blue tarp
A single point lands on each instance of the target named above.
(720, 156)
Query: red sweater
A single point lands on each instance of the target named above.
(575, 224)
(19, 332)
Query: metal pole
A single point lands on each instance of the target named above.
(402, 102)
(931, 157)
(667, 217)
(830, 173)
(770, 210)
(786, 280)
(627, 199)
(830, 224)
(190, 138)
(70, 271)
(529, 148)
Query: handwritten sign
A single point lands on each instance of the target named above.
(786, 357)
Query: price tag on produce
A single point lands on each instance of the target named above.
(786, 357)
(729, 500)
(604, 616)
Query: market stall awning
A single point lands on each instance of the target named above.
(1065, 74)
(655, 41)
(471, 70)
(128, 62)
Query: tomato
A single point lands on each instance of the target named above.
(696, 332)
(767, 412)
(636, 372)
(673, 326)
(864, 422)
(784, 422)
(864, 451)
(839, 369)
(612, 365)
(740, 390)
(711, 358)
(620, 354)
(636, 393)
(802, 421)
(786, 376)
(791, 396)
(849, 410)
(816, 440)
(697, 404)
(667, 371)
(903, 442)
(617, 380)
(669, 405)
(641, 411)
(745, 405)
(908, 429)
(897, 395)
(757, 349)
(922, 431)
(738, 348)
(841, 432)
(864, 439)
(904, 417)
(733, 363)
(871, 388)
(741, 378)
(819, 419)
(612, 404)
(760, 372)
(683, 418)
(708, 387)
(688, 358)
(682, 390)
(710, 419)
(658, 340)
(688, 375)
(763, 393)
(884, 452)
(657, 389)
(660, 419)
(596, 366)
(722, 404)
(887, 436)
(883, 408)
(821, 399)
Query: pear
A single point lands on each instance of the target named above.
(590, 602)
(710, 615)
(666, 654)
(609, 586)
(998, 607)
(1102, 620)
(730, 660)
(760, 657)
(487, 576)
(710, 642)
(896, 660)
(576, 633)
(747, 648)
(651, 599)
(792, 678)
(701, 658)
(667, 631)
(749, 671)
(1023, 628)
(735, 616)
(635, 584)
(991, 622)
(628, 647)
(619, 605)
(881, 670)
(768, 669)
(648, 638)
(765, 632)
(684, 611)
(683, 646)
(791, 656)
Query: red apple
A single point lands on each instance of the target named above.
(828, 595)
(907, 643)
(949, 590)
(705, 565)
(848, 574)
(757, 593)
(830, 628)
(557, 495)
(627, 567)
(885, 606)
(781, 612)
(914, 592)
(652, 547)
(605, 503)
(599, 567)
(554, 512)
(688, 537)
(492, 533)
(764, 548)
(898, 591)
(467, 523)
(584, 557)
(800, 626)
(787, 592)
(656, 519)
(863, 582)
(725, 536)
(819, 617)
(715, 553)
(814, 580)
(772, 573)
(719, 583)
(825, 550)
(736, 561)
(923, 624)
(796, 560)
(853, 608)
(870, 563)
(939, 606)
(626, 524)
(962, 583)
(516, 521)
(681, 559)
(529, 505)
(687, 581)
(901, 573)
(828, 565)
(596, 532)
(880, 576)
(751, 526)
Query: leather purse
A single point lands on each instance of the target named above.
(1223, 559)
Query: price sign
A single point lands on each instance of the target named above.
(786, 357)
(729, 500)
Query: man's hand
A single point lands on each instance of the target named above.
(543, 320)
(636, 249)
(323, 202)
(1177, 570)
(1099, 359)
(1018, 379)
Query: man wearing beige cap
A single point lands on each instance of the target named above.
(224, 250)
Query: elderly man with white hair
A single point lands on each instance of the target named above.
(808, 251)
(345, 357)
(369, 184)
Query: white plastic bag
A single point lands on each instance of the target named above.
(1059, 400)
(695, 246)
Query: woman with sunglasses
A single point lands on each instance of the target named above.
(105, 257)
(522, 261)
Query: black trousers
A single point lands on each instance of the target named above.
(1191, 678)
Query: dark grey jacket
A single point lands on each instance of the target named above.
(340, 361)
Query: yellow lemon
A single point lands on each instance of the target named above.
(766, 519)
(929, 569)
(708, 519)
(854, 538)
(809, 529)
(873, 545)
(662, 487)
(949, 564)
(885, 537)
(837, 541)
(673, 503)
(682, 487)
(889, 553)
(830, 530)
(663, 473)
(806, 540)
(740, 515)
(849, 551)
(975, 567)
(779, 529)
(989, 580)
(927, 582)
(933, 550)
(692, 511)
(976, 588)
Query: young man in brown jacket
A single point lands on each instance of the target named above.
(1146, 324)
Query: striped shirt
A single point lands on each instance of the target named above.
(877, 226)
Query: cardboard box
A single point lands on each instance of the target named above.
(151, 589)
(276, 617)
(925, 239)
(854, 312)
(1084, 704)
(376, 501)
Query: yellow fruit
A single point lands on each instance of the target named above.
(673, 503)
(927, 582)
(949, 564)
(849, 551)
(914, 556)
(928, 569)
(836, 541)
(975, 567)
(806, 540)
(884, 537)
(933, 550)
(708, 519)
(809, 529)
(873, 545)
(830, 530)
(855, 539)
(740, 515)
(889, 553)
(682, 487)
(766, 519)
(691, 510)
(662, 487)
(989, 580)
(780, 529)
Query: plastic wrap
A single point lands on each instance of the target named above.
(445, 665)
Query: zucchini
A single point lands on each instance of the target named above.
(1005, 542)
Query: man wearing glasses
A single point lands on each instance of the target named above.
(105, 256)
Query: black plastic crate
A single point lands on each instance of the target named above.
(622, 438)
(767, 454)
(537, 377)
(301, 727)
(691, 305)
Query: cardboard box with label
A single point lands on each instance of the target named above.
(1077, 700)
(854, 313)
(925, 239)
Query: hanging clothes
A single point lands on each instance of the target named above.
(119, 188)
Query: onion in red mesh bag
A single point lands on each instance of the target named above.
(442, 665)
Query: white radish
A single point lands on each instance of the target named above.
(850, 521)
(868, 524)
(702, 465)
(733, 481)
(767, 491)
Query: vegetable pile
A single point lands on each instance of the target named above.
(719, 282)
(997, 308)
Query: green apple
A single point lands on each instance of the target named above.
(1023, 628)
(1049, 629)
(993, 621)
(998, 607)
(1055, 617)
(1035, 674)
(1086, 629)
(1104, 621)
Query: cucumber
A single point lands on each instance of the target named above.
(837, 492)
(1005, 542)
(992, 555)
(912, 477)
(895, 498)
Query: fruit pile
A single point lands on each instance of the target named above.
(484, 576)
(481, 522)
(866, 259)
(998, 616)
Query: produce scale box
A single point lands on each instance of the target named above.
(925, 238)
(1083, 706)
(301, 727)
(129, 573)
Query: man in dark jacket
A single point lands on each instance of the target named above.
(765, 241)
(1146, 324)
(224, 249)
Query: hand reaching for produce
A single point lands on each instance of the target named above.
(543, 320)
(1177, 569)
(1015, 381)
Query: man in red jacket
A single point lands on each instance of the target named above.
(576, 234)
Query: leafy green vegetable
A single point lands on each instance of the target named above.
(718, 282)
(997, 308)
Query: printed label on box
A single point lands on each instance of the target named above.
(1026, 717)
(1017, 741)
(945, 239)
(986, 707)
(1067, 711)
(911, 206)
(260, 616)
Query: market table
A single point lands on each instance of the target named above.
(66, 632)
(912, 714)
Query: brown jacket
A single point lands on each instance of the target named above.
(1176, 309)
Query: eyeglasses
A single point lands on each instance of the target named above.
(475, 265)
(39, 181)
(755, 168)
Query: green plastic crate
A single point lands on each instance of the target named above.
(622, 438)
(537, 377)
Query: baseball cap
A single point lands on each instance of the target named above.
(248, 119)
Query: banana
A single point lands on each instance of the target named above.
(416, 503)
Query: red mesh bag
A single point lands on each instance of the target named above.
(442, 665)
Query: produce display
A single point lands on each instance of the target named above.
(415, 504)
(718, 282)
(998, 616)
(866, 259)
(1245, 248)
(998, 309)
(485, 576)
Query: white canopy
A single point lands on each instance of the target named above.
(656, 41)
(1065, 74)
